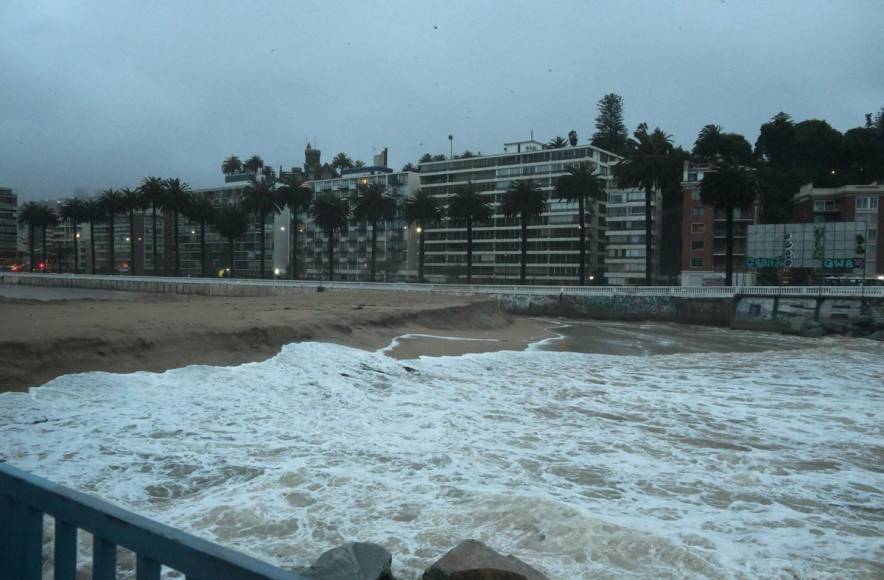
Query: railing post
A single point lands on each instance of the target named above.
(104, 559)
(147, 569)
(65, 550)
(25, 556)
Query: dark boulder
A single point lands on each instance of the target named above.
(473, 560)
(352, 561)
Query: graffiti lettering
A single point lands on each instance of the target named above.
(757, 263)
(844, 263)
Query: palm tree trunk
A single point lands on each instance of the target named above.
(131, 242)
(45, 257)
(203, 248)
(374, 245)
(729, 251)
(469, 250)
(293, 259)
(110, 238)
(76, 253)
(154, 234)
(230, 255)
(261, 242)
(175, 243)
(649, 240)
(420, 258)
(582, 223)
(331, 255)
(523, 269)
(31, 245)
(92, 243)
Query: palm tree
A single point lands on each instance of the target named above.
(729, 188)
(94, 213)
(154, 190)
(409, 167)
(253, 164)
(646, 166)
(708, 143)
(296, 196)
(424, 210)
(373, 204)
(523, 199)
(557, 142)
(176, 200)
(231, 165)
(74, 211)
(201, 210)
(133, 200)
(260, 198)
(581, 184)
(341, 161)
(330, 213)
(232, 223)
(48, 219)
(359, 163)
(469, 206)
(112, 203)
(31, 214)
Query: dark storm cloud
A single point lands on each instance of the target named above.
(99, 94)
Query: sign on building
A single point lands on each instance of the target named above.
(819, 246)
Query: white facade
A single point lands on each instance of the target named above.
(553, 246)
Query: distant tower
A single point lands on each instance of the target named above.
(312, 163)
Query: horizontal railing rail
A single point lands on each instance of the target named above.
(25, 498)
(185, 284)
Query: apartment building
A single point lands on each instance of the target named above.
(396, 241)
(848, 203)
(704, 238)
(625, 235)
(553, 246)
(8, 227)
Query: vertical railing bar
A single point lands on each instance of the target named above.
(104, 559)
(147, 569)
(65, 550)
(28, 523)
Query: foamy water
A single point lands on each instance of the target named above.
(704, 465)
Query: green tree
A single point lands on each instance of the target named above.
(231, 165)
(729, 188)
(524, 200)
(36, 215)
(74, 211)
(373, 205)
(359, 163)
(646, 165)
(424, 210)
(177, 199)
(572, 138)
(94, 213)
(557, 142)
(425, 158)
(341, 161)
(112, 203)
(253, 164)
(201, 210)
(583, 186)
(714, 145)
(409, 167)
(296, 196)
(331, 213)
(133, 201)
(469, 207)
(776, 141)
(610, 131)
(259, 197)
(232, 222)
(154, 191)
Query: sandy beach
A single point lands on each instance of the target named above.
(48, 332)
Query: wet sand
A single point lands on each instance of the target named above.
(48, 332)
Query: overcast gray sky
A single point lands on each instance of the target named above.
(101, 94)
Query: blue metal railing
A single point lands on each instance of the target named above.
(25, 498)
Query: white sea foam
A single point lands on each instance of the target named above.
(702, 465)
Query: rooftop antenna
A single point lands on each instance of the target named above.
(532, 134)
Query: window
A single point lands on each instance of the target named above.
(866, 203)
(697, 245)
(697, 211)
(698, 228)
(824, 205)
(695, 195)
(697, 262)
